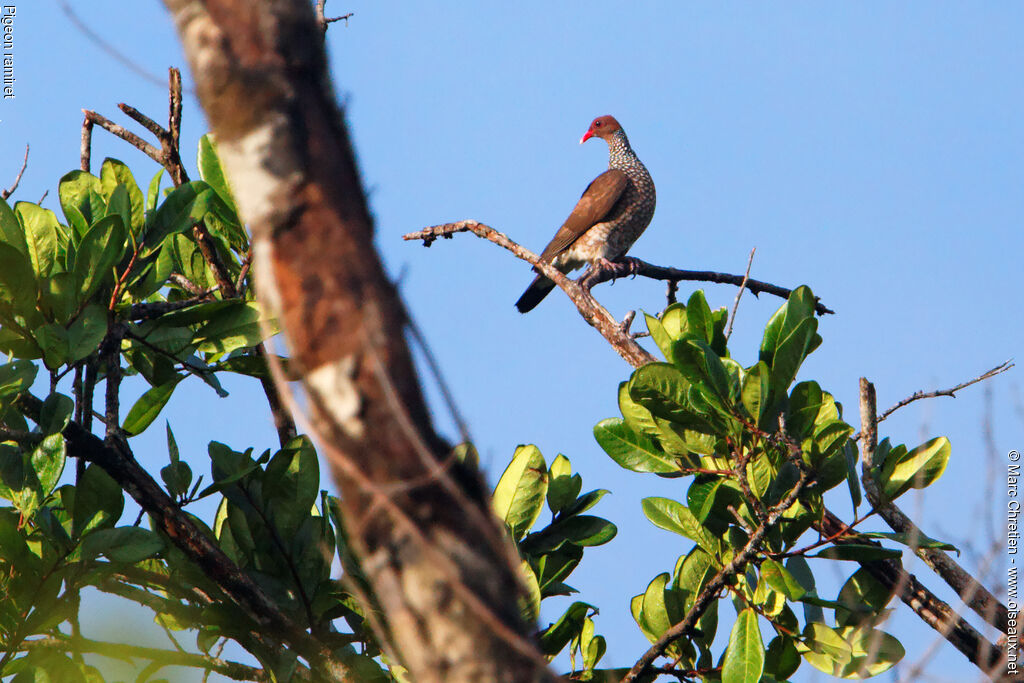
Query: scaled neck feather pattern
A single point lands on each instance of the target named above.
(620, 154)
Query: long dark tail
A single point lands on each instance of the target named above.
(535, 293)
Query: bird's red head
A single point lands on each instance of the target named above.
(601, 127)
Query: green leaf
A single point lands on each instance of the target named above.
(81, 198)
(16, 377)
(852, 480)
(177, 477)
(782, 658)
(48, 461)
(40, 233)
(100, 250)
(563, 485)
(240, 325)
(916, 469)
(704, 369)
(863, 598)
(86, 332)
(744, 657)
(114, 173)
(675, 517)
(99, 501)
(858, 552)
(17, 281)
(153, 192)
(659, 335)
(631, 449)
(779, 578)
(556, 636)
(175, 214)
(754, 391)
(148, 407)
(916, 540)
(211, 171)
(292, 482)
(11, 232)
(55, 413)
(852, 652)
(790, 354)
(128, 544)
(582, 530)
(519, 496)
(700, 323)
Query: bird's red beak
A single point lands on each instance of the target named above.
(586, 136)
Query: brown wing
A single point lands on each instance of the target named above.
(595, 204)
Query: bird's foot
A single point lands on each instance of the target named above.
(602, 270)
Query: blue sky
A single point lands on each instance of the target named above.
(869, 150)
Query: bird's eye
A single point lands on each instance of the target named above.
(597, 124)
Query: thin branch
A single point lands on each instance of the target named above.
(974, 595)
(233, 670)
(711, 591)
(951, 392)
(86, 150)
(117, 460)
(155, 309)
(589, 308)
(324, 21)
(736, 303)
(9, 191)
(123, 133)
(435, 370)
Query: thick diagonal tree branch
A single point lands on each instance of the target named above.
(622, 269)
(933, 611)
(261, 77)
(118, 462)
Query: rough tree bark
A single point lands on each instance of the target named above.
(443, 573)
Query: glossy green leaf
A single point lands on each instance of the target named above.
(563, 485)
(86, 332)
(17, 280)
(99, 501)
(81, 197)
(40, 233)
(101, 248)
(148, 407)
(744, 657)
(213, 173)
(519, 496)
(11, 232)
(115, 173)
(128, 544)
(241, 325)
(700, 323)
(754, 390)
(48, 461)
(153, 191)
(55, 414)
(858, 552)
(863, 599)
(677, 518)
(779, 578)
(631, 449)
(16, 376)
(556, 636)
(916, 469)
(910, 539)
(781, 658)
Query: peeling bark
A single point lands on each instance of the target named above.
(443, 572)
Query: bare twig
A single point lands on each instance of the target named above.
(589, 308)
(623, 268)
(974, 595)
(712, 589)
(933, 611)
(736, 303)
(86, 152)
(442, 385)
(951, 392)
(123, 133)
(9, 191)
(124, 60)
(324, 21)
(670, 291)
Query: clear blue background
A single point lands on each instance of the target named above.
(871, 150)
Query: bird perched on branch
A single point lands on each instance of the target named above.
(613, 212)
